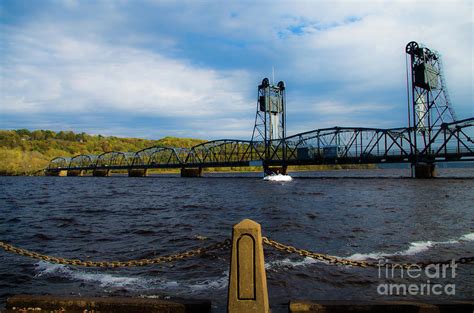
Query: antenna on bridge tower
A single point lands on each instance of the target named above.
(270, 119)
(430, 105)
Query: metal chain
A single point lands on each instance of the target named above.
(226, 244)
(342, 261)
(131, 263)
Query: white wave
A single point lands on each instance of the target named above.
(133, 283)
(290, 263)
(278, 177)
(103, 279)
(219, 283)
(414, 248)
(365, 256)
(467, 237)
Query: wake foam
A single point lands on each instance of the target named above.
(105, 280)
(139, 283)
(219, 283)
(278, 177)
(414, 248)
(289, 263)
(467, 237)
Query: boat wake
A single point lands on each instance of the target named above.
(278, 177)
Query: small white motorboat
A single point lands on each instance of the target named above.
(278, 177)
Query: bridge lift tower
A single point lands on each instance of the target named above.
(430, 104)
(270, 123)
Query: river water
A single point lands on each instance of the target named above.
(362, 214)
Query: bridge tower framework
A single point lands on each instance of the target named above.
(270, 119)
(430, 104)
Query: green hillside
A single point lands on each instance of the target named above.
(24, 152)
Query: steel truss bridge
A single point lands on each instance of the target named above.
(435, 135)
(352, 146)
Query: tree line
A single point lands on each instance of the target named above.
(25, 152)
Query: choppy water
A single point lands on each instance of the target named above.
(120, 218)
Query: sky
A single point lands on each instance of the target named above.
(152, 69)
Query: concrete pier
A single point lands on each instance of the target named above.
(101, 173)
(75, 173)
(275, 169)
(191, 172)
(136, 172)
(49, 172)
(424, 170)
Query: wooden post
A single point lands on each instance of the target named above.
(247, 279)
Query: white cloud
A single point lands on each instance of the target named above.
(75, 75)
(224, 128)
(89, 65)
(369, 53)
(357, 45)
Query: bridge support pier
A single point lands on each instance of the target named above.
(137, 172)
(268, 170)
(247, 279)
(75, 173)
(55, 172)
(191, 172)
(101, 173)
(424, 170)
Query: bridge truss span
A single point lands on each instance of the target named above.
(114, 159)
(159, 157)
(226, 152)
(349, 145)
(451, 142)
(59, 163)
(82, 161)
(433, 135)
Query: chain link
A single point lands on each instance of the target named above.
(342, 261)
(131, 263)
(226, 244)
